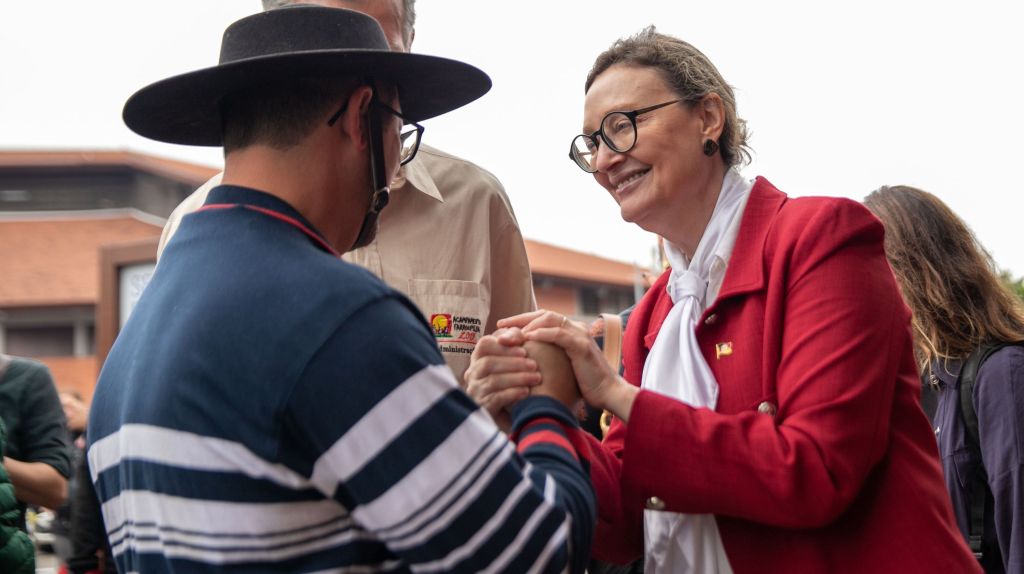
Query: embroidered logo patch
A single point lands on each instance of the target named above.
(442, 325)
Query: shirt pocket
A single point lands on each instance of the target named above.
(966, 464)
(456, 312)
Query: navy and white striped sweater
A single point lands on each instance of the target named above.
(269, 407)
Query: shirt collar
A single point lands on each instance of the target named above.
(236, 194)
(728, 213)
(946, 372)
(415, 175)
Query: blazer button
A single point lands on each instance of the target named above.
(655, 503)
(767, 408)
(710, 320)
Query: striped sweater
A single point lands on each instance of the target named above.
(270, 408)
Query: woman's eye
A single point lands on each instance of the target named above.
(620, 126)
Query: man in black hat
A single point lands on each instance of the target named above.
(270, 407)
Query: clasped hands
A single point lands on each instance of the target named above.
(542, 353)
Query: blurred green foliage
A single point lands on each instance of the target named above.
(1015, 285)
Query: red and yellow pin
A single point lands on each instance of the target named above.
(723, 349)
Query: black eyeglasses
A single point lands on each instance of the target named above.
(617, 131)
(409, 137)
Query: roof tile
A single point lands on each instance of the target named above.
(54, 260)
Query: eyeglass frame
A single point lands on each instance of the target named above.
(402, 136)
(631, 115)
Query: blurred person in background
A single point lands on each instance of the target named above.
(76, 412)
(768, 418)
(17, 554)
(37, 456)
(967, 325)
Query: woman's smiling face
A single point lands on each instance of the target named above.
(665, 175)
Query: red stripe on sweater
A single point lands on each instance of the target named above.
(547, 437)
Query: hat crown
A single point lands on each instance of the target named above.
(283, 45)
(300, 28)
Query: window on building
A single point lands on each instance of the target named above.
(14, 195)
(40, 341)
(90, 341)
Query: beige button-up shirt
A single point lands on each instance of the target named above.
(448, 240)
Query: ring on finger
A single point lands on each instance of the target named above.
(564, 321)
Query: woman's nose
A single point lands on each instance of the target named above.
(606, 157)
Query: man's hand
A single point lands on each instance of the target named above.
(600, 386)
(500, 374)
(76, 411)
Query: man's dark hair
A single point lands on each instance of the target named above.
(280, 115)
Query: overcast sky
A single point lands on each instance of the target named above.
(841, 97)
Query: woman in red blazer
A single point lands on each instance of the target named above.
(768, 418)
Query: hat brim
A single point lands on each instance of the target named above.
(185, 109)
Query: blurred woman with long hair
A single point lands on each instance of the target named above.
(960, 307)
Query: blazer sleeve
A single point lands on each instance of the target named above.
(618, 536)
(619, 531)
(844, 331)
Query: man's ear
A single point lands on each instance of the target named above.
(353, 121)
(712, 113)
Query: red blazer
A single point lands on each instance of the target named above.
(818, 457)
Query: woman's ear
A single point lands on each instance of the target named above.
(711, 110)
(353, 120)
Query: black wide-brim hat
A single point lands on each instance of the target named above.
(298, 41)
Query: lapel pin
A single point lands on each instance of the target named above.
(723, 349)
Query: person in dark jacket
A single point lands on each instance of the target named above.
(90, 549)
(960, 305)
(17, 556)
(36, 455)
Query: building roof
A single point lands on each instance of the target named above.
(52, 259)
(553, 261)
(545, 259)
(185, 172)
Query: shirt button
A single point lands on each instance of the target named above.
(767, 408)
(655, 503)
(711, 319)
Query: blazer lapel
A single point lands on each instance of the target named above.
(745, 271)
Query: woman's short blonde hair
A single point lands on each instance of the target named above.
(690, 74)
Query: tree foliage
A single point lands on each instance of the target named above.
(1015, 285)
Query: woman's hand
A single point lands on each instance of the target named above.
(600, 386)
(500, 374)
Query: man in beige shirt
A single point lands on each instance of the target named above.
(448, 239)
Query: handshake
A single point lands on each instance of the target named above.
(543, 353)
